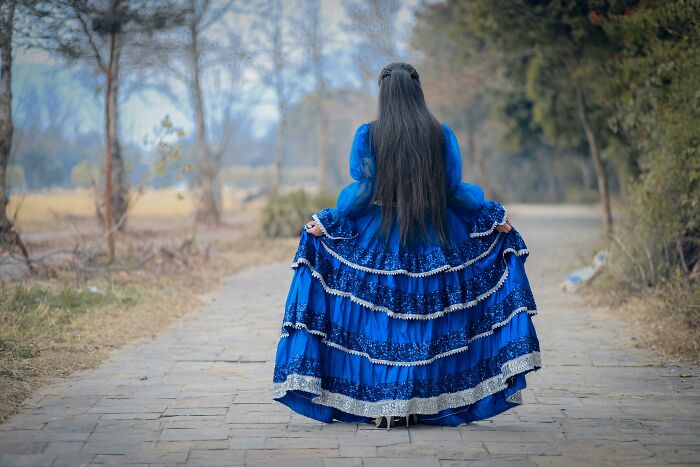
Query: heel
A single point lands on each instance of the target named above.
(384, 421)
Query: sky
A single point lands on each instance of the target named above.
(35, 71)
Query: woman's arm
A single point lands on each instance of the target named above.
(356, 196)
(461, 194)
(354, 199)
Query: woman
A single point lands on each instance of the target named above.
(409, 301)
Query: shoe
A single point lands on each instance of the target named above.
(387, 421)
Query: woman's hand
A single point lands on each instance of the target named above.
(313, 228)
(504, 228)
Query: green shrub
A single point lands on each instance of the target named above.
(284, 215)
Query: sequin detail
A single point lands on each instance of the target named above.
(342, 282)
(494, 212)
(348, 396)
(489, 216)
(300, 316)
(328, 222)
(406, 262)
(442, 259)
(468, 378)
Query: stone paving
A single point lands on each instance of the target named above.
(199, 393)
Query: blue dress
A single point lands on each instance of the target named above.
(444, 332)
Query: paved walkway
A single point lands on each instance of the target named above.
(198, 394)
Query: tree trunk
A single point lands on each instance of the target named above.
(600, 171)
(586, 179)
(322, 142)
(278, 63)
(120, 186)
(108, 199)
(207, 210)
(479, 164)
(8, 236)
(280, 150)
(6, 125)
(316, 44)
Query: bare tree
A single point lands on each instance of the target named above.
(227, 118)
(601, 172)
(112, 148)
(272, 65)
(187, 54)
(97, 33)
(313, 40)
(6, 126)
(92, 35)
(374, 21)
(8, 236)
(9, 19)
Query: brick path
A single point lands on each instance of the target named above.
(198, 394)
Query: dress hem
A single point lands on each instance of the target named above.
(418, 405)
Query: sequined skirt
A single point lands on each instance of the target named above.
(370, 329)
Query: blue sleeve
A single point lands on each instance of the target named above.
(459, 194)
(357, 196)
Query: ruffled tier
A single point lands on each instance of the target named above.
(442, 332)
(356, 243)
(409, 297)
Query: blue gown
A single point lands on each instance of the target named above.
(444, 332)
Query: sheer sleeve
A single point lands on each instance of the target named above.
(459, 194)
(355, 198)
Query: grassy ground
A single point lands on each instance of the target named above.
(669, 313)
(66, 318)
(35, 208)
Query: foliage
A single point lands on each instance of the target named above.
(654, 103)
(85, 174)
(488, 72)
(635, 65)
(164, 148)
(284, 215)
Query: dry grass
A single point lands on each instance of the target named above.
(36, 208)
(669, 314)
(63, 322)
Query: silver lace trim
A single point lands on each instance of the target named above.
(493, 227)
(325, 340)
(445, 268)
(325, 231)
(471, 235)
(394, 314)
(417, 405)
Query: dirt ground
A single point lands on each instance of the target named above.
(75, 310)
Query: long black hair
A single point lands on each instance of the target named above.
(408, 143)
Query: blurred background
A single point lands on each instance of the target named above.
(148, 148)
